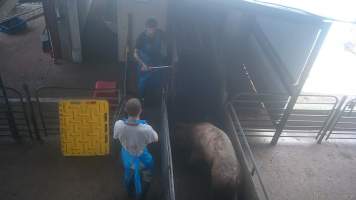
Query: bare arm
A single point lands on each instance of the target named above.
(152, 135)
(117, 130)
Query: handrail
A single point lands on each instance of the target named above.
(166, 162)
(255, 169)
(318, 110)
(10, 116)
(339, 116)
(25, 113)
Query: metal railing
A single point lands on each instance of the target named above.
(343, 125)
(166, 157)
(17, 116)
(261, 114)
(241, 140)
(47, 99)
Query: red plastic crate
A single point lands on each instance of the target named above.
(111, 93)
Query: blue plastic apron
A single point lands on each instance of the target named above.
(142, 162)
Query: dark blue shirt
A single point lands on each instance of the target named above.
(150, 48)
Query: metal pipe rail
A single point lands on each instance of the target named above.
(166, 160)
(261, 114)
(9, 115)
(47, 99)
(343, 125)
(18, 112)
(241, 139)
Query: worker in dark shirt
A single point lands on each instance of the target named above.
(149, 52)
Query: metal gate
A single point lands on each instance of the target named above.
(47, 99)
(261, 115)
(14, 120)
(343, 126)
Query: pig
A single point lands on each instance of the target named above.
(205, 143)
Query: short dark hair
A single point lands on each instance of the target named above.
(151, 23)
(133, 107)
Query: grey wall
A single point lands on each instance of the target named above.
(292, 40)
(6, 6)
(84, 7)
(69, 29)
(63, 29)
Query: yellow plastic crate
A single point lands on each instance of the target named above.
(84, 127)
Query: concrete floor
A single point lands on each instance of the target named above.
(41, 172)
(297, 169)
(22, 61)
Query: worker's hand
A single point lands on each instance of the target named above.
(144, 67)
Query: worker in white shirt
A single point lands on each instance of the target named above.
(134, 135)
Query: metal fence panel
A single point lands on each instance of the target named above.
(18, 112)
(261, 114)
(47, 99)
(344, 124)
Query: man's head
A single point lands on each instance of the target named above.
(133, 107)
(151, 26)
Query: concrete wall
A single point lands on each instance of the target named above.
(84, 7)
(291, 40)
(6, 6)
(140, 11)
(63, 29)
(67, 12)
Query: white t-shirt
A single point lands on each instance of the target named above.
(134, 138)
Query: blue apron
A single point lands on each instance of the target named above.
(143, 161)
(149, 77)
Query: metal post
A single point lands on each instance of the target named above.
(290, 105)
(254, 170)
(32, 112)
(328, 119)
(26, 117)
(9, 114)
(41, 114)
(74, 30)
(332, 120)
(301, 80)
(52, 26)
(338, 114)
